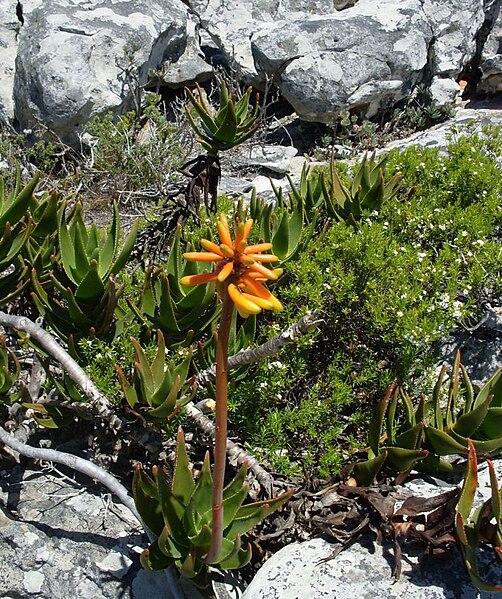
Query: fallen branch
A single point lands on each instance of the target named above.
(100, 403)
(270, 348)
(75, 463)
(96, 473)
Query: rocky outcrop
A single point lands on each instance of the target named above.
(310, 570)
(75, 62)
(491, 58)
(62, 63)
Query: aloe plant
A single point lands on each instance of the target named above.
(230, 125)
(9, 373)
(15, 228)
(484, 526)
(180, 516)
(156, 386)
(368, 190)
(42, 246)
(183, 314)
(434, 429)
(81, 295)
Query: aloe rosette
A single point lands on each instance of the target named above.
(157, 385)
(227, 127)
(403, 435)
(81, 295)
(180, 516)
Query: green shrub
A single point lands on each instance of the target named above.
(388, 292)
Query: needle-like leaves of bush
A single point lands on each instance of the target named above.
(230, 125)
(484, 526)
(180, 515)
(157, 385)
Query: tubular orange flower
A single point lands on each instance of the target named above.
(239, 267)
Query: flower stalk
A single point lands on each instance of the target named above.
(220, 439)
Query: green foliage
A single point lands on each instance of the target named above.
(15, 228)
(388, 290)
(9, 373)
(367, 191)
(131, 153)
(82, 295)
(181, 313)
(156, 386)
(181, 517)
(442, 425)
(229, 126)
(481, 528)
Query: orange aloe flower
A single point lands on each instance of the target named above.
(240, 267)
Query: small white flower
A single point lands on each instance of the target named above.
(399, 314)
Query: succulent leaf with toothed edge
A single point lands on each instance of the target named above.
(483, 526)
(179, 515)
(159, 388)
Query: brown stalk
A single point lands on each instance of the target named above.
(220, 438)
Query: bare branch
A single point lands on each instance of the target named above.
(270, 348)
(100, 403)
(75, 463)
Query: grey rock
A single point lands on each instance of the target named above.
(480, 347)
(491, 60)
(272, 158)
(9, 30)
(71, 59)
(190, 66)
(364, 570)
(444, 91)
(455, 25)
(476, 118)
(356, 58)
(59, 540)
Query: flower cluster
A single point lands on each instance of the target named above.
(239, 268)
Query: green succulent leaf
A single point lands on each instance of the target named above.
(366, 472)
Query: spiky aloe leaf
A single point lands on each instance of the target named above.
(172, 509)
(469, 487)
(238, 560)
(366, 472)
(199, 506)
(468, 423)
(442, 443)
(493, 386)
(404, 459)
(147, 501)
(411, 438)
(375, 428)
(248, 516)
(153, 559)
(183, 482)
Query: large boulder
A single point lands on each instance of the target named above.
(491, 58)
(77, 61)
(324, 60)
(9, 30)
(312, 569)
